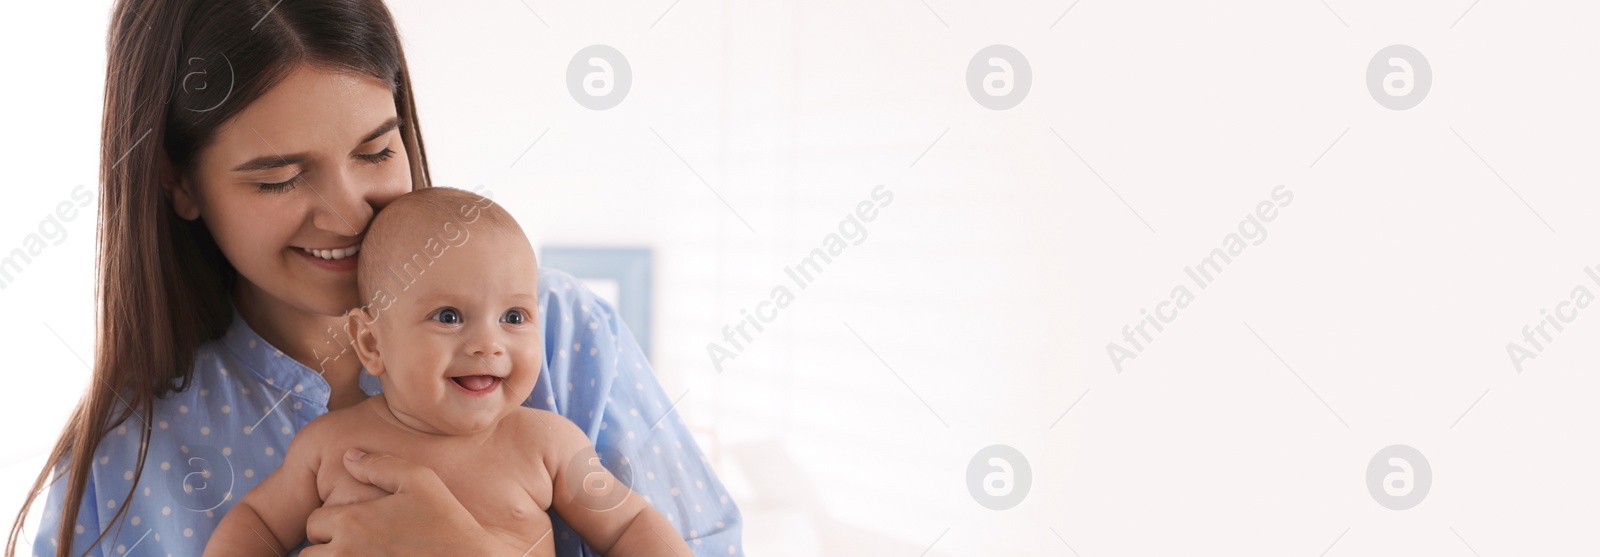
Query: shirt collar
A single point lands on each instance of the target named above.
(273, 367)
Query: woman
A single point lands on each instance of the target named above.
(245, 148)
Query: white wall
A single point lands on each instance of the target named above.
(993, 283)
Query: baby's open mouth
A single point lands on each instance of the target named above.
(476, 383)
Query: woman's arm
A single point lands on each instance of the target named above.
(599, 379)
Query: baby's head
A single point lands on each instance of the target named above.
(452, 325)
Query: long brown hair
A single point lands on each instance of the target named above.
(176, 70)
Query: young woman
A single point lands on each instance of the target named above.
(245, 147)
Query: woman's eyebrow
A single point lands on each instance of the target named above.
(385, 127)
(269, 162)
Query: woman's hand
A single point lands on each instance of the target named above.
(413, 514)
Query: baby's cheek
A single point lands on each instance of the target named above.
(521, 388)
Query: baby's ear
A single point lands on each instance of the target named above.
(363, 337)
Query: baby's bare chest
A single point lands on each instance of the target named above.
(507, 494)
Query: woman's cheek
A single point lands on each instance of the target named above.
(250, 238)
(397, 174)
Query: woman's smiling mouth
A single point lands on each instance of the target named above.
(334, 259)
(334, 253)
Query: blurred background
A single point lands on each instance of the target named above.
(1030, 222)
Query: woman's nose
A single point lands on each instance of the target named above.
(342, 206)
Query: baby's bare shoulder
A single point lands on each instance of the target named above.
(322, 443)
(339, 423)
(544, 424)
(545, 436)
(331, 431)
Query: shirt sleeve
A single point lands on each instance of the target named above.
(162, 513)
(599, 378)
(84, 529)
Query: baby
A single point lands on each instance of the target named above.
(453, 335)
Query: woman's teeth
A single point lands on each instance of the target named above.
(332, 254)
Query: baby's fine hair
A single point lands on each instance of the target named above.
(435, 214)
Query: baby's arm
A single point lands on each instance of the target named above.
(271, 519)
(610, 522)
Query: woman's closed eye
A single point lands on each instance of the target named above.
(378, 157)
(277, 187)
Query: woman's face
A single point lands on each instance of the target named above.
(291, 182)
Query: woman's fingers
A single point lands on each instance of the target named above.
(394, 507)
(325, 521)
(391, 473)
(336, 550)
(350, 491)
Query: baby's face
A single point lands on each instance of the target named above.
(461, 347)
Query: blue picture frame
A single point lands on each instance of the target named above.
(630, 270)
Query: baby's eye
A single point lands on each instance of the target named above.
(448, 316)
(514, 317)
